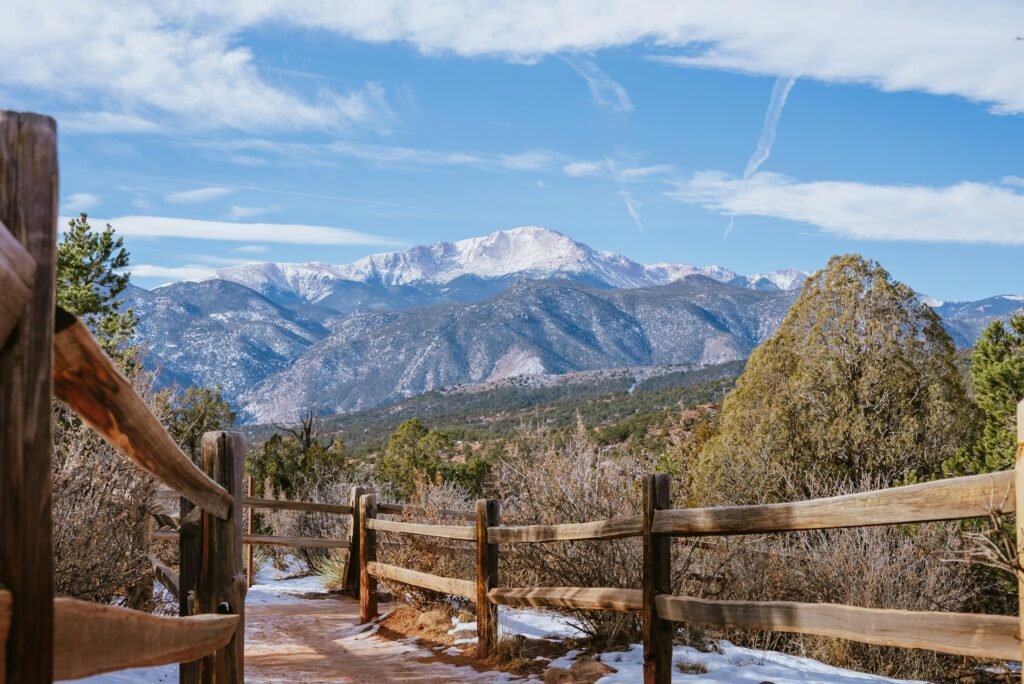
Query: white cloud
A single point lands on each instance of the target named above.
(604, 91)
(967, 212)
(197, 195)
(236, 212)
(780, 91)
(153, 65)
(965, 49)
(252, 249)
(580, 169)
(78, 202)
(168, 64)
(195, 229)
(190, 272)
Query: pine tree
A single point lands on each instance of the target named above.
(859, 382)
(997, 372)
(90, 277)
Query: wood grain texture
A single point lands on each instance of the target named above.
(28, 208)
(982, 636)
(307, 506)
(367, 557)
(221, 585)
(442, 531)
(165, 576)
(656, 579)
(91, 638)
(86, 380)
(5, 626)
(443, 585)
(352, 564)
(17, 276)
(952, 499)
(406, 509)
(582, 598)
(488, 514)
(617, 528)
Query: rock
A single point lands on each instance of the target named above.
(558, 675)
(583, 671)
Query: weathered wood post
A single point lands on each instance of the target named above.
(1019, 495)
(28, 209)
(488, 514)
(352, 564)
(249, 548)
(367, 554)
(221, 585)
(657, 579)
(189, 553)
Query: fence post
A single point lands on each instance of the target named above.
(1018, 483)
(250, 551)
(221, 585)
(28, 208)
(367, 555)
(352, 564)
(189, 552)
(488, 514)
(657, 579)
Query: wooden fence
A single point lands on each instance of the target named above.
(994, 637)
(46, 353)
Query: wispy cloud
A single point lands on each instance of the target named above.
(968, 212)
(78, 202)
(189, 272)
(236, 212)
(604, 91)
(196, 229)
(780, 91)
(198, 195)
(252, 249)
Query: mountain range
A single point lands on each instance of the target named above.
(283, 338)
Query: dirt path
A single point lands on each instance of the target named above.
(317, 640)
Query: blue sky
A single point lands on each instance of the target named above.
(629, 126)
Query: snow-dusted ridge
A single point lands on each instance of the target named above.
(526, 252)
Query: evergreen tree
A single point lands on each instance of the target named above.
(195, 411)
(859, 382)
(90, 276)
(997, 372)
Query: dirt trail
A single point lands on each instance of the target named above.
(317, 640)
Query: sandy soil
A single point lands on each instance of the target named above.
(319, 641)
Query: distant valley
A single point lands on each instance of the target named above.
(529, 302)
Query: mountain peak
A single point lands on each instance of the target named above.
(535, 252)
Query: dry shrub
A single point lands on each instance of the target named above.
(443, 557)
(322, 486)
(550, 479)
(100, 512)
(894, 567)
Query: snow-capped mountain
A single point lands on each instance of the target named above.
(468, 269)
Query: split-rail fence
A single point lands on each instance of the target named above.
(46, 353)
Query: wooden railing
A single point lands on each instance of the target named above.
(46, 353)
(977, 635)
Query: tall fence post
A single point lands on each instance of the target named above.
(488, 514)
(28, 209)
(367, 554)
(352, 564)
(250, 550)
(221, 585)
(189, 552)
(657, 579)
(1019, 496)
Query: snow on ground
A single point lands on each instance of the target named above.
(729, 664)
(735, 665)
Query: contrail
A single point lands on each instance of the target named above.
(771, 122)
(780, 91)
